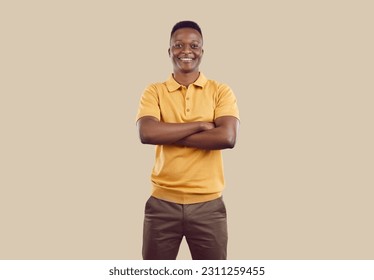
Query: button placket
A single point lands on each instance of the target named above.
(187, 103)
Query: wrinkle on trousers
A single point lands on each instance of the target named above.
(204, 226)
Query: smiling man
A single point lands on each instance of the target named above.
(190, 119)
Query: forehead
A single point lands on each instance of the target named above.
(186, 34)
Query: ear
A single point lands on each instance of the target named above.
(169, 51)
(202, 51)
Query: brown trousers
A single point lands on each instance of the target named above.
(204, 226)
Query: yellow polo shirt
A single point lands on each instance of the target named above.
(182, 174)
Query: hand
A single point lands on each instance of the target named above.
(207, 125)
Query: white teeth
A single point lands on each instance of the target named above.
(185, 59)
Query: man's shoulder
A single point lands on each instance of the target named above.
(212, 81)
(163, 86)
(218, 85)
(156, 86)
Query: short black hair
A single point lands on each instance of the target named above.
(186, 24)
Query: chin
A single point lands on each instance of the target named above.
(186, 71)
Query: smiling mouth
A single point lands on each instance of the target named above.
(185, 59)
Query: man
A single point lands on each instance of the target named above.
(190, 119)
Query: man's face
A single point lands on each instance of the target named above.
(186, 50)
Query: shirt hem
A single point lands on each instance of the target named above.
(183, 198)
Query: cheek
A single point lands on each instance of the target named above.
(197, 56)
(173, 55)
(199, 53)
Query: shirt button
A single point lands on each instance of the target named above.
(187, 98)
(188, 110)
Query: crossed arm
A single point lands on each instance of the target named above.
(217, 135)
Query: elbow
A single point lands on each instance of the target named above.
(230, 142)
(145, 138)
(231, 139)
(231, 145)
(147, 135)
(149, 138)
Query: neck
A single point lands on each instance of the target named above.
(186, 79)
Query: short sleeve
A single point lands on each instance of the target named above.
(149, 103)
(226, 104)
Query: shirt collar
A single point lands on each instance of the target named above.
(173, 85)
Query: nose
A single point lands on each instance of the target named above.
(186, 49)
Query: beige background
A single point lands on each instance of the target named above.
(74, 177)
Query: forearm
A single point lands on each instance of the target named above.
(222, 136)
(214, 139)
(152, 131)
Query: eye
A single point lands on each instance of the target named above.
(178, 46)
(194, 46)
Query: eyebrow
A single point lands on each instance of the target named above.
(193, 41)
